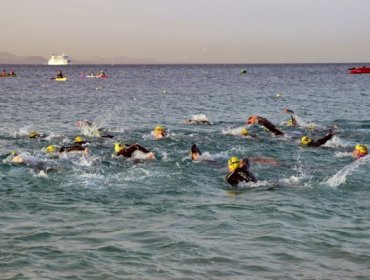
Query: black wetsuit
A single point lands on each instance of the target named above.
(321, 141)
(269, 126)
(293, 120)
(80, 143)
(60, 75)
(74, 148)
(241, 174)
(128, 151)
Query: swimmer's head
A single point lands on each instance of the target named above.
(159, 132)
(195, 153)
(33, 134)
(290, 122)
(119, 147)
(252, 119)
(244, 132)
(233, 163)
(159, 128)
(360, 150)
(306, 140)
(79, 123)
(50, 149)
(79, 139)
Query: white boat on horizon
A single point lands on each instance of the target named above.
(59, 60)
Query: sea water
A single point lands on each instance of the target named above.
(104, 217)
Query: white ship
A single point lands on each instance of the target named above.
(59, 60)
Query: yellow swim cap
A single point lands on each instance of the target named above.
(233, 163)
(361, 149)
(306, 140)
(159, 128)
(244, 132)
(33, 134)
(290, 122)
(79, 139)
(119, 147)
(50, 149)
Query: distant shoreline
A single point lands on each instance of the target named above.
(164, 64)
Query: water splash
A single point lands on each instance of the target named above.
(337, 142)
(233, 131)
(340, 177)
(199, 118)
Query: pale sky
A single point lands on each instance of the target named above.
(190, 31)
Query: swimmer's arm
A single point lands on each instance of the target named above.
(325, 139)
(269, 126)
(137, 147)
(251, 177)
(231, 178)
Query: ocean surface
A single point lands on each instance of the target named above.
(104, 217)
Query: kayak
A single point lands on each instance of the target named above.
(61, 79)
(359, 70)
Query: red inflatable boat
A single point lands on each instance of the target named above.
(359, 70)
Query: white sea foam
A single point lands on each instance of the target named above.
(199, 118)
(87, 161)
(232, 131)
(341, 176)
(342, 154)
(337, 142)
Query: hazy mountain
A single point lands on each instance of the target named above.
(9, 58)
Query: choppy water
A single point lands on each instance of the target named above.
(102, 217)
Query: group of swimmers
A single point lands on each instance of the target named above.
(101, 74)
(239, 169)
(7, 74)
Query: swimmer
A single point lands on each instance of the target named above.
(292, 121)
(30, 161)
(191, 121)
(245, 132)
(128, 150)
(198, 119)
(17, 158)
(50, 149)
(307, 141)
(76, 148)
(159, 132)
(195, 153)
(264, 122)
(34, 134)
(79, 149)
(360, 151)
(60, 74)
(79, 140)
(239, 171)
